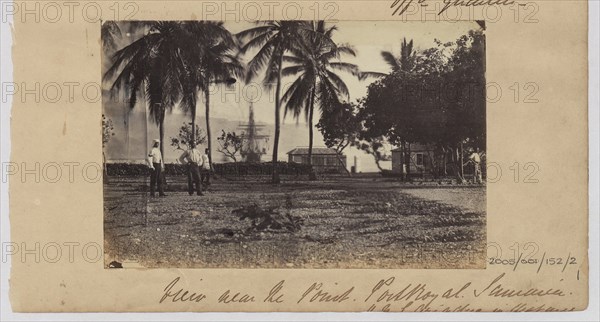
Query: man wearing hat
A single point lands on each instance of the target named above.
(475, 157)
(205, 168)
(157, 166)
(193, 159)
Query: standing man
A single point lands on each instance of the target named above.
(476, 159)
(193, 159)
(205, 166)
(155, 161)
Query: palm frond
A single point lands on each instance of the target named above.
(260, 60)
(345, 67)
(297, 97)
(390, 59)
(292, 70)
(110, 32)
(339, 84)
(293, 60)
(364, 75)
(255, 32)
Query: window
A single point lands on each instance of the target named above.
(419, 159)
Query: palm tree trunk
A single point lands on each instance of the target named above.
(161, 130)
(208, 136)
(275, 177)
(445, 161)
(161, 133)
(461, 160)
(193, 124)
(105, 170)
(312, 175)
(408, 161)
(403, 159)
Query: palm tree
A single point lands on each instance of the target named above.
(211, 59)
(219, 65)
(406, 60)
(272, 40)
(403, 64)
(110, 33)
(152, 66)
(316, 76)
(114, 35)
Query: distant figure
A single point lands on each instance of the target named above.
(476, 159)
(155, 161)
(193, 159)
(205, 168)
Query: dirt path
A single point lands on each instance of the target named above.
(467, 198)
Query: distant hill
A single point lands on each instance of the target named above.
(132, 138)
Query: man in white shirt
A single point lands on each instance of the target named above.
(155, 161)
(193, 159)
(205, 168)
(476, 159)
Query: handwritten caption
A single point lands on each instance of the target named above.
(386, 294)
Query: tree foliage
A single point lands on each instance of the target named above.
(107, 130)
(152, 67)
(186, 138)
(315, 71)
(339, 124)
(231, 144)
(439, 100)
(170, 64)
(110, 34)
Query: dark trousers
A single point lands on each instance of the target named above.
(205, 176)
(156, 179)
(194, 178)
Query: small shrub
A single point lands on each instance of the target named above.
(263, 219)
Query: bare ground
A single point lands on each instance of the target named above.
(344, 223)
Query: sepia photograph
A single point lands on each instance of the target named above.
(216, 160)
(294, 144)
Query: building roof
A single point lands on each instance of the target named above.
(315, 151)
